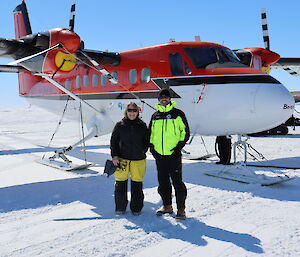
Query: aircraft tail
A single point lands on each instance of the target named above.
(22, 23)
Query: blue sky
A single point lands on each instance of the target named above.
(117, 25)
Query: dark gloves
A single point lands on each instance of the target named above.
(177, 149)
(154, 153)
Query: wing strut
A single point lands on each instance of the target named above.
(75, 97)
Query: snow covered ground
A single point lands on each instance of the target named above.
(49, 212)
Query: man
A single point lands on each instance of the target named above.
(169, 131)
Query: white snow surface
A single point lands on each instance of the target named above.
(50, 212)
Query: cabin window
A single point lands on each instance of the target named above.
(78, 81)
(67, 84)
(86, 80)
(145, 75)
(104, 80)
(95, 80)
(176, 64)
(115, 76)
(132, 76)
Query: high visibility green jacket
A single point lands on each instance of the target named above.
(168, 127)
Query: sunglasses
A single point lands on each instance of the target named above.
(163, 97)
(132, 110)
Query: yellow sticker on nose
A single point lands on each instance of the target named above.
(66, 62)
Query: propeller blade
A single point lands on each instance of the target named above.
(10, 68)
(265, 29)
(72, 16)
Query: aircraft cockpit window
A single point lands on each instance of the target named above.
(232, 57)
(132, 76)
(78, 81)
(176, 64)
(115, 76)
(95, 80)
(104, 80)
(86, 80)
(244, 56)
(204, 56)
(145, 75)
(201, 56)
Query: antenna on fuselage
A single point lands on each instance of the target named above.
(197, 38)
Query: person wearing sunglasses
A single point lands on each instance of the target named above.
(169, 131)
(129, 143)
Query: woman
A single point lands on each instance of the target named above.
(129, 144)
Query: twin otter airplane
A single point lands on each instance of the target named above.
(221, 91)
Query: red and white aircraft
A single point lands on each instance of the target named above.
(220, 93)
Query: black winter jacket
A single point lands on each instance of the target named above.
(130, 139)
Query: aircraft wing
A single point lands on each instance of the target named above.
(291, 65)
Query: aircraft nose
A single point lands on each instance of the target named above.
(273, 104)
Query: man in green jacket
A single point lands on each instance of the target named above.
(169, 131)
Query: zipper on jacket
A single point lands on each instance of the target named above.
(162, 137)
(174, 127)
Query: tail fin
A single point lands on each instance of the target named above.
(22, 23)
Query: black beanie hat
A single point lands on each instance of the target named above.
(164, 93)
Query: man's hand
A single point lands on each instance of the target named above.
(152, 150)
(116, 161)
(177, 149)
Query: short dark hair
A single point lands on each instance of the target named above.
(164, 93)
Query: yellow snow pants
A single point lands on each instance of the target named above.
(136, 170)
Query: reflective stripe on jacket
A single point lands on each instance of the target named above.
(168, 126)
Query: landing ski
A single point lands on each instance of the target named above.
(64, 165)
(197, 158)
(261, 179)
(272, 166)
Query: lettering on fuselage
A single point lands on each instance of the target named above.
(286, 106)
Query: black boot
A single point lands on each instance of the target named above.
(224, 149)
(121, 196)
(137, 197)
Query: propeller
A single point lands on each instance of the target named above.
(290, 65)
(265, 29)
(72, 16)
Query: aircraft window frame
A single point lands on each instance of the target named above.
(187, 68)
(132, 76)
(176, 64)
(104, 80)
(231, 55)
(115, 76)
(78, 81)
(67, 84)
(86, 80)
(95, 80)
(145, 75)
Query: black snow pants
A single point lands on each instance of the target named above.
(137, 196)
(170, 167)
